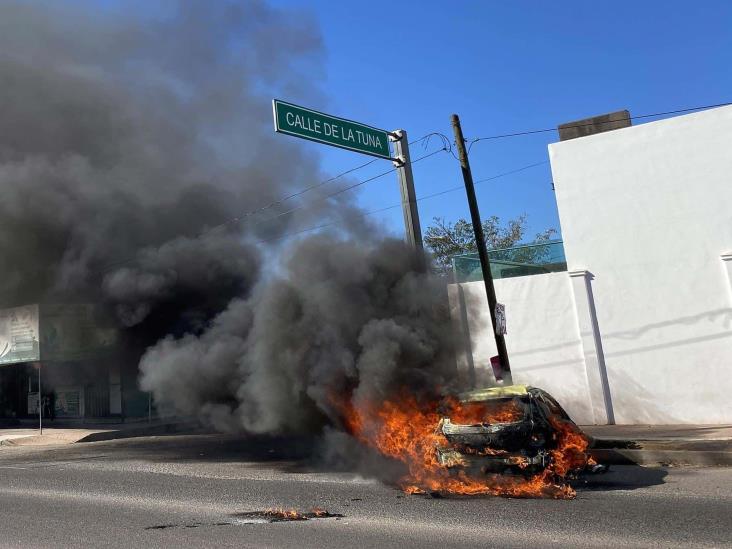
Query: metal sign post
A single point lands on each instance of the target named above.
(406, 186)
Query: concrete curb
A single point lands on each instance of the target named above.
(143, 431)
(662, 457)
(38, 440)
(61, 437)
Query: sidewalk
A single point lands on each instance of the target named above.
(70, 434)
(660, 432)
(660, 445)
(699, 445)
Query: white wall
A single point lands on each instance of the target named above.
(543, 339)
(640, 329)
(648, 211)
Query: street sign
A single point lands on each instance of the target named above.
(317, 126)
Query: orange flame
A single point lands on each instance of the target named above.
(406, 430)
(473, 413)
(289, 514)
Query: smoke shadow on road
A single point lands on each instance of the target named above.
(622, 477)
(223, 448)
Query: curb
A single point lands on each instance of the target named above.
(159, 429)
(143, 431)
(37, 440)
(9, 441)
(661, 457)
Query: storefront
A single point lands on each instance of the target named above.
(72, 355)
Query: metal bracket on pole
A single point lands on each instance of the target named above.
(396, 135)
(406, 186)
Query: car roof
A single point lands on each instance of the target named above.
(493, 393)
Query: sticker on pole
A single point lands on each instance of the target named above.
(501, 319)
(331, 130)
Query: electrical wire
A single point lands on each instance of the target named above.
(340, 191)
(447, 146)
(309, 229)
(457, 188)
(638, 117)
(394, 206)
(108, 267)
(446, 143)
(289, 197)
(305, 190)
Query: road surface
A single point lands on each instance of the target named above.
(182, 491)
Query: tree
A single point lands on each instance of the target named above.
(445, 240)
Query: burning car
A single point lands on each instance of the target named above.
(508, 430)
(466, 444)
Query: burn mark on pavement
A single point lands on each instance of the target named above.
(188, 525)
(258, 517)
(282, 515)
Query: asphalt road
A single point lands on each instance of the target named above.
(182, 490)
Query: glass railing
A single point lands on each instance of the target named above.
(529, 259)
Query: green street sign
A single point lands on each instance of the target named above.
(331, 130)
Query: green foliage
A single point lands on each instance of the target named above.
(445, 240)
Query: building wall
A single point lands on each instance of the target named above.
(647, 211)
(543, 339)
(640, 329)
(77, 355)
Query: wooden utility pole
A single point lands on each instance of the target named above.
(480, 243)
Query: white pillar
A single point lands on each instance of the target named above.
(597, 381)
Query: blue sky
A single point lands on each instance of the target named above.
(504, 67)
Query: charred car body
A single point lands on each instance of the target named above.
(505, 430)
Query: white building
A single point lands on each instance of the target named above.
(639, 330)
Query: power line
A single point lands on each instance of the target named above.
(447, 146)
(309, 229)
(250, 213)
(446, 143)
(241, 217)
(638, 117)
(459, 187)
(289, 197)
(301, 192)
(340, 191)
(393, 206)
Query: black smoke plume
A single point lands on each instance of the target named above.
(123, 139)
(126, 143)
(340, 319)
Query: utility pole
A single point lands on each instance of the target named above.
(406, 187)
(480, 243)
